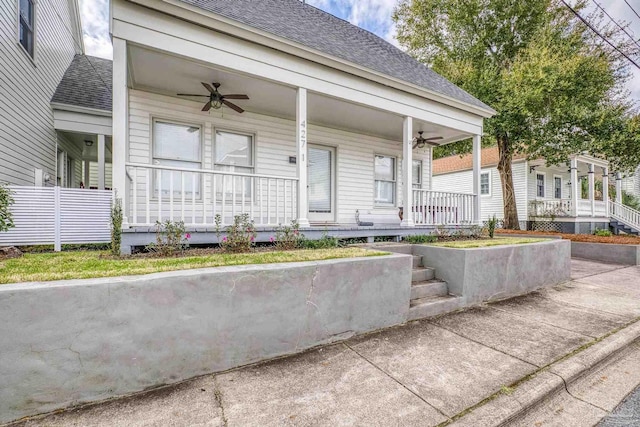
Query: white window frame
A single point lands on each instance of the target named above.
(417, 185)
(554, 186)
(154, 193)
(488, 173)
(251, 196)
(544, 185)
(394, 181)
(31, 55)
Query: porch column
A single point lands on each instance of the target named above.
(592, 189)
(618, 188)
(477, 170)
(120, 120)
(101, 161)
(301, 163)
(407, 172)
(605, 190)
(574, 187)
(87, 173)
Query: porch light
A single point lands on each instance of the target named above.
(88, 142)
(216, 103)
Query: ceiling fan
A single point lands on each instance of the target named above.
(216, 99)
(420, 141)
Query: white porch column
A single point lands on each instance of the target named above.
(575, 195)
(120, 120)
(101, 161)
(477, 165)
(618, 188)
(407, 172)
(592, 189)
(87, 173)
(301, 162)
(605, 190)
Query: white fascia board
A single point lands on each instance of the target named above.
(79, 109)
(78, 122)
(164, 33)
(585, 158)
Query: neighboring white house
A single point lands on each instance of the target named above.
(631, 183)
(330, 123)
(39, 40)
(543, 193)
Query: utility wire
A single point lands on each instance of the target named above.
(601, 36)
(617, 24)
(631, 7)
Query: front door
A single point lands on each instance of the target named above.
(321, 170)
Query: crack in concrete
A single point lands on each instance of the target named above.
(540, 321)
(218, 396)
(308, 301)
(566, 388)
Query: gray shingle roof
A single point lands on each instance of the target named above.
(86, 83)
(313, 28)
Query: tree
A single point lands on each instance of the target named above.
(555, 88)
(6, 200)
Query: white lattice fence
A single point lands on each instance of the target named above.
(55, 215)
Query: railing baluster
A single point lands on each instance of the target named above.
(171, 195)
(193, 198)
(214, 196)
(251, 195)
(243, 184)
(182, 193)
(160, 196)
(261, 201)
(203, 190)
(134, 185)
(148, 196)
(277, 212)
(223, 208)
(233, 197)
(269, 201)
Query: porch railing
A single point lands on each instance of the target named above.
(197, 196)
(550, 208)
(442, 208)
(624, 214)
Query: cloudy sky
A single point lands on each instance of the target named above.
(373, 15)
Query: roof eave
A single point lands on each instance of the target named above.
(80, 109)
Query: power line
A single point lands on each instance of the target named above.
(600, 35)
(631, 7)
(617, 24)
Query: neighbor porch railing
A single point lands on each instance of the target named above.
(442, 208)
(197, 196)
(550, 208)
(624, 214)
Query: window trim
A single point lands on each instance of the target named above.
(253, 197)
(554, 186)
(33, 29)
(394, 204)
(489, 174)
(417, 185)
(544, 185)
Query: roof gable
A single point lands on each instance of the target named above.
(87, 83)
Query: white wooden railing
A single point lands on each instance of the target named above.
(55, 215)
(548, 208)
(624, 214)
(442, 208)
(197, 196)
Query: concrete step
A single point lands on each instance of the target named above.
(422, 274)
(434, 306)
(417, 261)
(429, 288)
(398, 248)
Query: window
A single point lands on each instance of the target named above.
(417, 174)
(176, 145)
(234, 153)
(557, 187)
(540, 185)
(26, 24)
(385, 180)
(485, 183)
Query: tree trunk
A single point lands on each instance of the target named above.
(506, 177)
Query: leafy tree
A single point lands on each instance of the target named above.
(555, 87)
(6, 200)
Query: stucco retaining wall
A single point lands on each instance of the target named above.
(606, 252)
(67, 342)
(491, 273)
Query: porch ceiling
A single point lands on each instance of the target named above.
(88, 153)
(168, 75)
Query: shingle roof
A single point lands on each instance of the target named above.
(86, 83)
(316, 29)
(489, 157)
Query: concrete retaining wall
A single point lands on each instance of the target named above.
(605, 252)
(485, 274)
(63, 343)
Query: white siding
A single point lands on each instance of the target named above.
(492, 204)
(27, 135)
(275, 143)
(549, 173)
(631, 184)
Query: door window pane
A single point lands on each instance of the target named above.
(385, 177)
(233, 149)
(320, 196)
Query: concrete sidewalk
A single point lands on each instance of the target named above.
(420, 374)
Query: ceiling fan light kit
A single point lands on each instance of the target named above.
(420, 141)
(216, 99)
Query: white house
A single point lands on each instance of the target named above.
(631, 183)
(544, 194)
(330, 121)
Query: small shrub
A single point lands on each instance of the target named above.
(441, 231)
(239, 236)
(116, 226)
(602, 233)
(288, 237)
(491, 226)
(325, 242)
(6, 200)
(475, 231)
(420, 239)
(170, 238)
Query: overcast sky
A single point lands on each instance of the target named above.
(373, 15)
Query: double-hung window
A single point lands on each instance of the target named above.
(485, 183)
(179, 146)
(27, 24)
(385, 180)
(416, 174)
(557, 187)
(234, 152)
(540, 185)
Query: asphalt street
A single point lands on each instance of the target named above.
(627, 414)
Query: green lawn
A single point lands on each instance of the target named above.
(34, 267)
(496, 241)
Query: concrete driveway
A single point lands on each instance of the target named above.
(419, 374)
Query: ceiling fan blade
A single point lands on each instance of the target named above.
(207, 106)
(415, 145)
(433, 138)
(233, 106)
(191, 94)
(431, 143)
(235, 96)
(208, 87)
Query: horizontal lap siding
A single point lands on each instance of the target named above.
(27, 135)
(275, 143)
